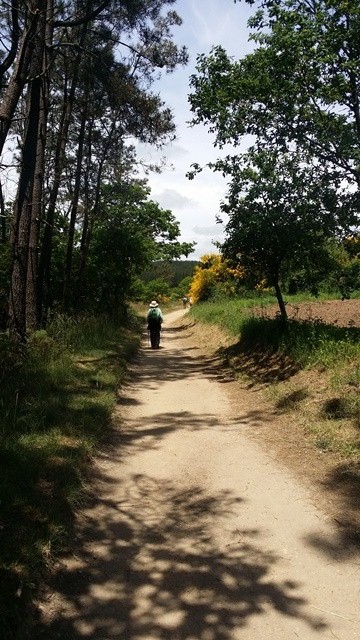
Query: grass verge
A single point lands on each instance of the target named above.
(310, 369)
(55, 412)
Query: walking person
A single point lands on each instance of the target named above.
(154, 318)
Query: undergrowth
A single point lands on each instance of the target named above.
(55, 408)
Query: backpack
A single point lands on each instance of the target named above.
(153, 319)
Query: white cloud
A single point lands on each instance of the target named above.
(212, 231)
(196, 203)
(211, 23)
(151, 154)
(172, 199)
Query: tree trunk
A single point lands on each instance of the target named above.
(37, 213)
(2, 215)
(46, 250)
(86, 232)
(280, 300)
(89, 218)
(44, 272)
(20, 235)
(73, 214)
(37, 209)
(20, 75)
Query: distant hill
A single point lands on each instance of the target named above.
(171, 272)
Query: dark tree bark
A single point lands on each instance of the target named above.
(21, 71)
(280, 299)
(74, 212)
(8, 60)
(21, 225)
(59, 162)
(37, 214)
(2, 215)
(37, 209)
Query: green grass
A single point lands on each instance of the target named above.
(312, 344)
(55, 412)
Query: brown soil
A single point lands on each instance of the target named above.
(342, 313)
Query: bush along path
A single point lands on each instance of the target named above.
(56, 405)
(194, 529)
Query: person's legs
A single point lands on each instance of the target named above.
(155, 335)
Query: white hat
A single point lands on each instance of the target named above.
(153, 304)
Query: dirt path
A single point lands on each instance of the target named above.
(196, 533)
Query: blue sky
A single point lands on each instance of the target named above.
(195, 203)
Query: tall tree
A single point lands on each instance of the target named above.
(281, 212)
(45, 42)
(299, 87)
(134, 232)
(22, 218)
(297, 94)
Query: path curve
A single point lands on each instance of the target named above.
(195, 532)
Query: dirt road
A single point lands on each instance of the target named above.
(195, 531)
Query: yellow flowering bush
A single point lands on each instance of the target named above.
(211, 273)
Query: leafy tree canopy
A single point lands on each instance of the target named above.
(133, 232)
(295, 100)
(300, 85)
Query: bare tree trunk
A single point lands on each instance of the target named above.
(46, 250)
(44, 272)
(280, 300)
(89, 218)
(37, 213)
(37, 209)
(2, 215)
(74, 211)
(20, 234)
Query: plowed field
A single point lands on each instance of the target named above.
(343, 313)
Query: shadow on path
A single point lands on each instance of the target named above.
(163, 574)
(150, 564)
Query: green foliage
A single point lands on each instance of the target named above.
(88, 117)
(230, 313)
(183, 287)
(156, 290)
(279, 217)
(133, 232)
(55, 409)
(289, 193)
(173, 272)
(309, 344)
(294, 88)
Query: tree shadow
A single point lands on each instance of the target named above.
(258, 365)
(344, 482)
(180, 327)
(163, 571)
(171, 364)
(263, 352)
(151, 562)
(292, 399)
